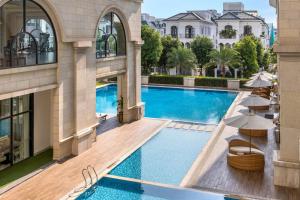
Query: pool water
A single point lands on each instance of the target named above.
(166, 158)
(115, 189)
(192, 105)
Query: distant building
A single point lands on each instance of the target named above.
(188, 25)
(236, 23)
(155, 23)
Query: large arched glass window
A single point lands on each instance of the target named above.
(27, 35)
(174, 32)
(111, 39)
(189, 32)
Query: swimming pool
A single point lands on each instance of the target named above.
(165, 158)
(115, 189)
(194, 105)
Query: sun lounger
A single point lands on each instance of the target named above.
(240, 156)
(101, 116)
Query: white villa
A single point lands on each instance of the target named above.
(186, 26)
(236, 22)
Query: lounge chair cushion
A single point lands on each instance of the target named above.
(240, 150)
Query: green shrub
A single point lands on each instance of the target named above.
(243, 82)
(211, 82)
(165, 79)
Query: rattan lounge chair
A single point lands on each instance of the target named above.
(254, 133)
(241, 157)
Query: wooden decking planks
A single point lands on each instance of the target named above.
(216, 175)
(59, 179)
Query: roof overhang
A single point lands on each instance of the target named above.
(273, 3)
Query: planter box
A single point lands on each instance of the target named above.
(189, 82)
(233, 84)
(145, 80)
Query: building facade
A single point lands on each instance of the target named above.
(287, 47)
(153, 22)
(51, 54)
(236, 23)
(186, 26)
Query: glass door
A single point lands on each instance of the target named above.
(21, 137)
(20, 128)
(5, 133)
(16, 134)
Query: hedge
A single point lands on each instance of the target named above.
(165, 79)
(243, 82)
(211, 82)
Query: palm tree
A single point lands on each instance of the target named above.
(183, 59)
(225, 57)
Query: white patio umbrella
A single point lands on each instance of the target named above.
(259, 83)
(267, 78)
(249, 121)
(254, 100)
(267, 74)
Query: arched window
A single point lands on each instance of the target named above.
(174, 32)
(27, 35)
(221, 45)
(247, 30)
(111, 39)
(228, 27)
(227, 45)
(188, 45)
(189, 32)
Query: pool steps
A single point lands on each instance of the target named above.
(192, 126)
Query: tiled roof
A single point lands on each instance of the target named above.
(239, 15)
(189, 16)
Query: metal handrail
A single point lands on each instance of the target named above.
(85, 179)
(93, 170)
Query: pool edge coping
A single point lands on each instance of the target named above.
(111, 165)
(191, 176)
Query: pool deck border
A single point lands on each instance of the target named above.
(114, 164)
(198, 164)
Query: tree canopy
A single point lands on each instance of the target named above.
(168, 44)
(224, 58)
(151, 49)
(202, 46)
(183, 59)
(248, 52)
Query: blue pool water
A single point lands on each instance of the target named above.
(114, 189)
(172, 103)
(166, 158)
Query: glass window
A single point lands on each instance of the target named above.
(26, 38)
(20, 104)
(4, 108)
(5, 139)
(111, 39)
(174, 32)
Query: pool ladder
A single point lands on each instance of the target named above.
(87, 171)
(87, 174)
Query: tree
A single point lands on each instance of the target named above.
(183, 59)
(202, 46)
(247, 49)
(151, 49)
(266, 60)
(168, 44)
(224, 58)
(259, 52)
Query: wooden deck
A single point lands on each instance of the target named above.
(58, 180)
(217, 176)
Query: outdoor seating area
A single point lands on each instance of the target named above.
(252, 125)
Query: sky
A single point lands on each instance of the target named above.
(168, 8)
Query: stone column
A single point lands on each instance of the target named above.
(287, 159)
(133, 107)
(84, 128)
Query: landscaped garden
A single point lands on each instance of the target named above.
(168, 56)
